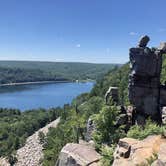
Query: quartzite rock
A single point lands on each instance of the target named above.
(143, 41)
(113, 93)
(144, 80)
(132, 152)
(78, 155)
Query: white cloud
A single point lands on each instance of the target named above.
(78, 45)
(59, 60)
(162, 30)
(132, 33)
(108, 50)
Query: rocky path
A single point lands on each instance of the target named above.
(31, 154)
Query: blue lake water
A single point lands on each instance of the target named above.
(25, 97)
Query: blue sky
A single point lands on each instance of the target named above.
(99, 31)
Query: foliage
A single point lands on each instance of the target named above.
(41, 137)
(116, 77)
(24, 71)
(71, 127)
(152, 158)
(107, 155)
(163, 72)
(56, 139)
(106, 130)
(16, 126)
(150, 128)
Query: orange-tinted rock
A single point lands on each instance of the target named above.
(140, 151)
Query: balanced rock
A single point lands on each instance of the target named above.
(143, 41)
(144, 81)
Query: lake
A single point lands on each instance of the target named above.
(25, 97)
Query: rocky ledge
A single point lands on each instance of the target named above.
(78, 155)
(132, 152)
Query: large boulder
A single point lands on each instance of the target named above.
(131, 152)
(4, 162)
(78, 155)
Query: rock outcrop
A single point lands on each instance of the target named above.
(113, 93)
(132, 152)
(144, 81)
(90, 128)
(78, 155)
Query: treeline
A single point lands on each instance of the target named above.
(16, 126)
(17, 75)
(25, 71)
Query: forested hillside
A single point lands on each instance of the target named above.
(72, 126)
(73, 121)
(16, 126)
(29, 71)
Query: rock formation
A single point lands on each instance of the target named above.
(145, 92)
(132, 152)
(78, 155)
(113, 93)
(90, 128)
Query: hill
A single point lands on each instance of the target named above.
(104, 115)
(30, 71)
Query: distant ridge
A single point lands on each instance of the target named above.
(32, 71)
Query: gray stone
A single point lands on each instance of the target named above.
(144, 81)
(143, 41)
(90, 127)
(158, 163)
(162, 47)
(113, 93)
(78, 155)
(163, 114)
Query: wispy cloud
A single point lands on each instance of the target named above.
(162, 30)
(59, 60)
(78, 45)
(133, 33)
(107, 50)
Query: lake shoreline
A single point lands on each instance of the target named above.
(48, 95)
(34, 82)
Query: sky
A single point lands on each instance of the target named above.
(97, 31)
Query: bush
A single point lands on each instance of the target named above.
(107, 155)
(150, 128)
(106, 130)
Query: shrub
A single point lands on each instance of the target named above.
(105, 122)
(107, 155)
(150, 128)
